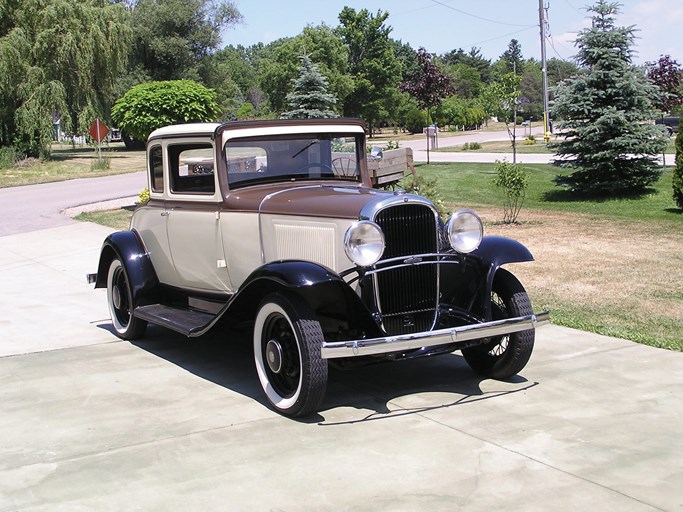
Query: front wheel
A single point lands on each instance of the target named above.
(287, 353)
(504, 356)
(120, 302)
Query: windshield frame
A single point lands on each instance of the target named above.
(293, 157)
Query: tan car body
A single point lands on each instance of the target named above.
(275, 224)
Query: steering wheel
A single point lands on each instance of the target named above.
(344, 166)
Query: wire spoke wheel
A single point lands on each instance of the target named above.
(501, 357)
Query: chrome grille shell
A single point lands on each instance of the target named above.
(407, 294)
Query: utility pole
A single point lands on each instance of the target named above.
(543, 21)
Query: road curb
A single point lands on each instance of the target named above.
(112, 204)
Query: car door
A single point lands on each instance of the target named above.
(193, 218)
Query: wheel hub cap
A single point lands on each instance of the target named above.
(274, 356)
(116, 297)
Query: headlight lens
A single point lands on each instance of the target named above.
(465, 231)
(364, 243)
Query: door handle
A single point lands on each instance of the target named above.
(164, 214)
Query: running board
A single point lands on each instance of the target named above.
(185, 321)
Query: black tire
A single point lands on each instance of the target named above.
(120, 302)
(287, 343)
(504, 356)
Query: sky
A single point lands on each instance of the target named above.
(444, 25)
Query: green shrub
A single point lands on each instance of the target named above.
(471, 145)
(514, 180)
(151, 105)
(426, 187)
(415, 120)
(678, 171)
(530, 140)
(9, 156)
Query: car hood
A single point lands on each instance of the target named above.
(313, 199)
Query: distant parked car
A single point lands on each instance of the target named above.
(115, 135)
(670, 124)
(276, 223)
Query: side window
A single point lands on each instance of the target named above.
(156, 169)
(191, 168)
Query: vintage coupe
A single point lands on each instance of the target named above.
(276, 223)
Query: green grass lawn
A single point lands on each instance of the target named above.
(611, 266)
(540, 147)
(500, 146)
(472, 183)
(68, 162)
(117, 219)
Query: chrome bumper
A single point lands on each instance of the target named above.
(374, 346)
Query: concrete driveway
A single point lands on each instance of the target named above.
(89, 422)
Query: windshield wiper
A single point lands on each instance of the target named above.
(304, 148)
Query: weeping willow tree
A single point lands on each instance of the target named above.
(57, 58)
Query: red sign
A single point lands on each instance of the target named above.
(98, 130)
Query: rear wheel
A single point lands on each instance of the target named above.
(120, 302)
(504, 356)
(287, 353)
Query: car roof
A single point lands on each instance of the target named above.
(256, 127)
(188, 129)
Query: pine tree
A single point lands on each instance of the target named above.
(677, 182)
(309, 97)
(606, 114)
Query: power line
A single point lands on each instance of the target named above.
(500, 37)
(570, 5)
(480, 17)
(552, 43)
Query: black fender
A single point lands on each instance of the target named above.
(335, 304)
(498, 250)
(129, 249)
(493, 252)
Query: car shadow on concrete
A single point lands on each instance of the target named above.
(365, 393)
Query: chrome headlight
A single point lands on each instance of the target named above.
(464, 230)
(364, 243)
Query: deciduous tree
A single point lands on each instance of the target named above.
(58, 58)
(500, 99)
(428, 84)
(372, 63)
(667, 74)
(171, 37)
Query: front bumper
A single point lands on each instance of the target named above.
(452, 335)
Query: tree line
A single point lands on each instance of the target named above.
(72, 60)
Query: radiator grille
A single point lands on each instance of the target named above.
(408, 296)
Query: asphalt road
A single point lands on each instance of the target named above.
(34, 207)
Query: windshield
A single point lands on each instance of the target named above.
(292, 158)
